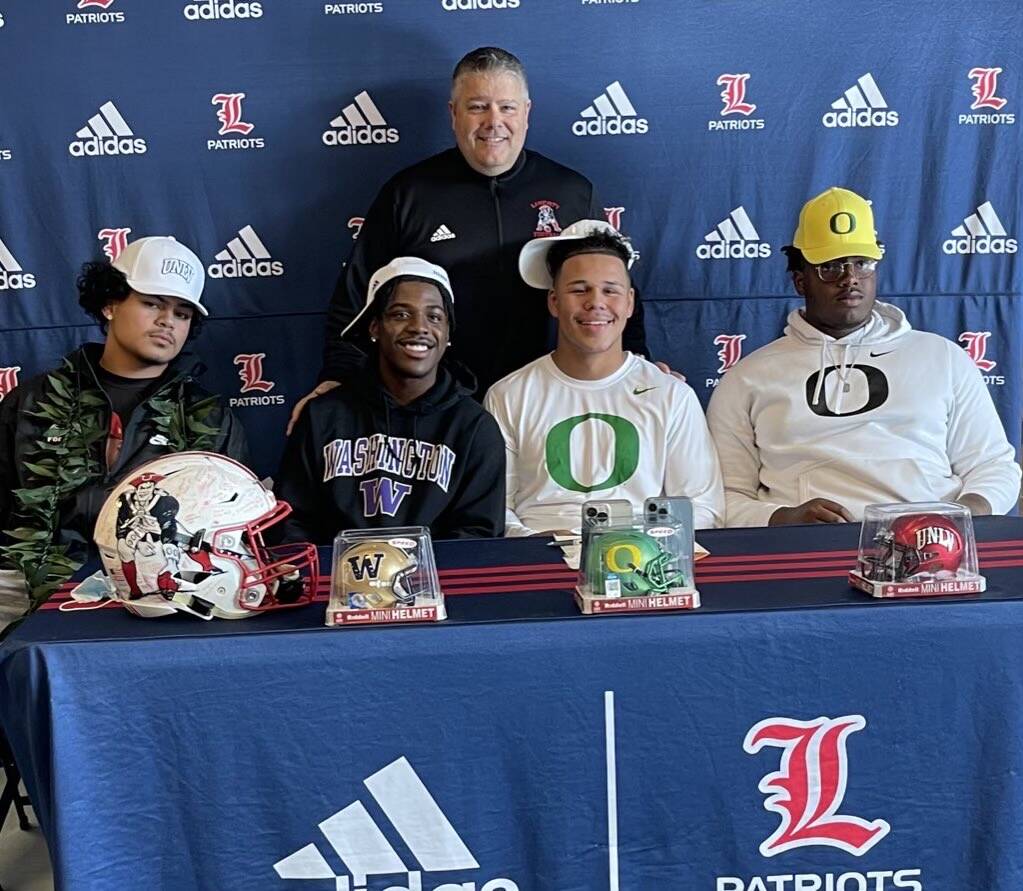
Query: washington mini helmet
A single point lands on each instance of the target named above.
(642, 566)
(914, 544)
(185, 534)
(375, 575)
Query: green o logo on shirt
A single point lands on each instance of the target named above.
(559, 452)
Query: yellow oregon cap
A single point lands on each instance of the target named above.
(837, 223)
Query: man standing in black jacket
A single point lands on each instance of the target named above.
(402, 443)
(68, 436)
(470, 210)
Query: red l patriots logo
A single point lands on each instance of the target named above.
(808, 790)
(975, 344)
(614, 217)
(250, 370)
(102, 4)
(116, 241)
(355, 223)
(731, 350)
(734, 94)
(230, 114)
(985, 88)
(8, 380)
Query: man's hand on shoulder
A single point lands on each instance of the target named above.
(320, 389)
(663, 366)
(816, 510)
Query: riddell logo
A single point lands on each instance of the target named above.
(8, 380)
(94, 18)
(245, 257)
(862, 105)
(106, 133)
(469, 5)
(985, 96)
(734, 238)
(611, 114)
(115, 241)
(12, 276)
(359, 841)
(360, 123)
(806, 793)
(733, 96)
(250, 371)
(981, 233)
(975, 344)
(210, 10)
(231, 123)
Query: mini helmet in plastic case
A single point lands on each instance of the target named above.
(185, 534)
(375, 575)
(918, 543)
(641, 564)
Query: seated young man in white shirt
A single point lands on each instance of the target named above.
(591, 421)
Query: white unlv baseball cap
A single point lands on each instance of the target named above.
(397, 268)
(533, 256)
(163, 267)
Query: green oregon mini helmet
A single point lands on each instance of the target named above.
(642, 566)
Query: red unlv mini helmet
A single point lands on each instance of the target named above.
(916, 543)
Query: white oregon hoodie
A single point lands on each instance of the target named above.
(885, 414)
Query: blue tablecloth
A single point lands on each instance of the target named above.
(791, 735)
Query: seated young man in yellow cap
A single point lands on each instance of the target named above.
(592, 421)
(851, 406)
(402, 443)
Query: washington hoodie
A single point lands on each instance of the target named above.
(885, 414)
(359, 460)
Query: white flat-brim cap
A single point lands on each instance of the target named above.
(163, 267)
(533, 256)
(398, 267)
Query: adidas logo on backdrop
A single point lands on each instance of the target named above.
(981, 233)
(106, 133)
(611, 114)
(12, 276)
(210, 10)
(424, 829)
(734, 238)
(360, 123)
(862, 105)
(471, 5)
(245, 257)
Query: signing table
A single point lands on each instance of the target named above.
(521, 746)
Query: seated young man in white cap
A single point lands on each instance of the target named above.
(851, 406)
(74, 432)
(403, 443)
(591, 421)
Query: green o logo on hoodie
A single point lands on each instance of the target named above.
(559, 452)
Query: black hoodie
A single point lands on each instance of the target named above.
(359, 460)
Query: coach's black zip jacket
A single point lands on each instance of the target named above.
(20, 431)
(502, 322)
(359, 460)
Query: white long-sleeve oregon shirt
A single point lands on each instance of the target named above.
(885, 414)
(635, 434)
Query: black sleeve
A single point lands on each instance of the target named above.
(233, 441)
(476, 510)
(298, 483)
(8, 461)
(376, 246)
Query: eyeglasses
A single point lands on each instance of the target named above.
(833, 270)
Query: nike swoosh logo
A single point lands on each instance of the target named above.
(878, 355)
(640, 391)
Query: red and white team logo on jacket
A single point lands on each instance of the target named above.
(546, 221)
(115, 241)
(975, 344)
(731, 350)
(985, 88)
(808, 789)
(250, 370)
(8, 380)
(734, 95)
(230, 114)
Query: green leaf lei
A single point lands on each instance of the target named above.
(66, 459)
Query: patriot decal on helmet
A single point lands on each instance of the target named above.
(642, 566)
(376, 575)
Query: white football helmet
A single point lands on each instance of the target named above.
(185, 534)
